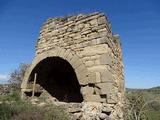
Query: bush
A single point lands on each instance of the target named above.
(13, 108)
(23, 110)
(29, 116)
(135, 107)
(17, 76)
(9, 109)
(14, 96)
(55, 113)
(5, 112)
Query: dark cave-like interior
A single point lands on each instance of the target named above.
(58, 78)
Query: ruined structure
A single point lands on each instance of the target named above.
(78, 62)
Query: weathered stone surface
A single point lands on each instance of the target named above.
(89, 63)
(106, 59)
(86, 44)
(105, 87)
(93, 98)
(91, 110)
(102, 20)
(106, 110)
(95, 50)
(77, 116)
(108, 88)
(86, 90)
(84, 81)
(106, 76)
(97, 90)
(101, 40)
(74, 110)
(98, 77)
(98, 68)
(103, 116)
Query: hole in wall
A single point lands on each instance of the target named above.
(58, 78)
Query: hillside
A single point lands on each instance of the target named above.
(153, 90)
(151, 97)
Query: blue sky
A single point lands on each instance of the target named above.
(137, 22)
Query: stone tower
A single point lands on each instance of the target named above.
(78, 60)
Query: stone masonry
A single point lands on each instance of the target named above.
(87, 43)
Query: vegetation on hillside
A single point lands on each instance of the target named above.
(17, 76)
(12, 107)
(142, 104)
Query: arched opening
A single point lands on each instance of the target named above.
(58, 78)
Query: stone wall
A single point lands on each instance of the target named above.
(88, 44)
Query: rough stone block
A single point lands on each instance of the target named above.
(94, 42)
(94, 22)
(84, 81)
(74, 59)
(77, 64)
(95, 57)
(97, 62)
(95, 50)
(106, 59)
(93, 98)
(97, 91)
(89, 63)
(104, 116)
(106, 76)
(101, 40)
(86, 90)
(98, 77)
(69, 56)
(105, 88)
(62, 52)
(81, 73)
(109, 90)
(93, 35)
(80, 68)
(92, 78)
(112, 98)
(67, 52)
(98, 68)
(102, 20)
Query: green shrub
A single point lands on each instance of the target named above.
(5, 112)
(29, 116)
(14, 96)
(55, 113)
(23, 110)
(9, 110)
(135, 107)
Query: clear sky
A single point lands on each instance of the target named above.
(137, 22)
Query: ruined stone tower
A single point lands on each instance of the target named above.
(79, 61)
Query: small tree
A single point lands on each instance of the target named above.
(17, 76)
(135, 107)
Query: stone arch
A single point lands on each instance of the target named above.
(65, 56)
